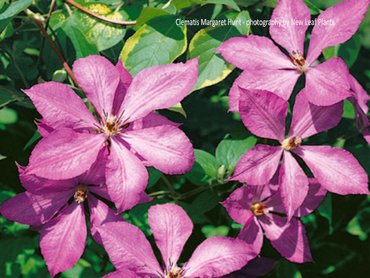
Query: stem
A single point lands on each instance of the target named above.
(169, 185)
(167, 4)
(87, 11)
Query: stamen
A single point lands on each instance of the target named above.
(112, 126)
(299, 61)
(80, 193)
(258, 209)
(291, 143)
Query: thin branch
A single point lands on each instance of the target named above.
(87, 11)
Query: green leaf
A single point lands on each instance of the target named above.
(147, 14)
(178, 108)
(97, 32)
(8, 116)
(36, 136)
(204, 170)
(159, 41)
(229, 151)
(230, 3)
(313, 8)
(348, 51)
(326, 211)
(8, 95)
(211, 231)
(349, 111)
(287, 269)
(154, 176)
(2, 157)
(212, 67)
(12, 10)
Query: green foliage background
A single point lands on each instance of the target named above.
(338, 230)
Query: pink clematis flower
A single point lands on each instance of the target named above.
(259, 209)
(130, 251)
(264, 114)
(56, 208)
(257, 267)
(359, 100)
(126, 127)
(267, 68)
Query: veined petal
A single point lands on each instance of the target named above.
(60, 106)
(239, 202)
(327, 83)
(289, 34)
(158, 87)
(258, 267)
(335, 169)
(254, 52)
(293, 184)
(96, 174)
(360, 95)
(125, 81)
(280, 82)
(316, 194)
(258, 165)
(128, 248)
(126, 177)
(288, 237)
(342, 21)
(99, 80)
(171, 228)
(217, 256)
(34, 209)
(309, 119)
(124, 273)
(152, 120)
(165, 147)
(62, 240)
(263, 113)
(252, 235)
(64, 154)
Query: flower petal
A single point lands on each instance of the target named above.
(327, 83)
(258, 267)
(293, 16)
(293, 184)
(239, 202)
(65, 154)
(316, 194)
(152, 120)
(124, 273)
(335, 169)
(263, 113)
(217, 256)
(126, 177)
(60, 106)
(96, 174)
(280, 82)
(360, 95)
(288, 238)
(309, 119)
(128, 248)
(165, 147)
(99, 80)
(252, 234)
(33, 209)
(254, 52)
(158, 87)
(171, 228)
(258, 165)
(62, 240)
(125, 81)
(338, 24)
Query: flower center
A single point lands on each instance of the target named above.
(112, 126)
(174, 273)
(299, 61)
(258, 209)
(291, 143)
(80, 193)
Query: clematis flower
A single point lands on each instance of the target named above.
(267, 68)
(259, 209)
(359, 100)
(56, 209)
(132, 135)
(257, 267)
(264, 114)
(130, 251)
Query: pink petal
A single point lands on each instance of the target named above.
(126, 177)
(33, 209)
(263, 113)
(128, 249)
(62, 240)
(165, 147)
(258, 267)
(99, 80)
(288, 238)
(252, 235)
(121, 274)
(335, 169)
(280, 82)
(65, 154)
(96, 174)
(309, 119)
(171, 227)
(338, 24)
(217, 256)
(125, 81)
(293, 184)
(254, 52)
(60, 106)
(360, 95)
(327, 83)
(152, 120)
(316, 194)
(258, 165)
(290, 35)
(239, 202)
(159, 87)
(44, 129)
